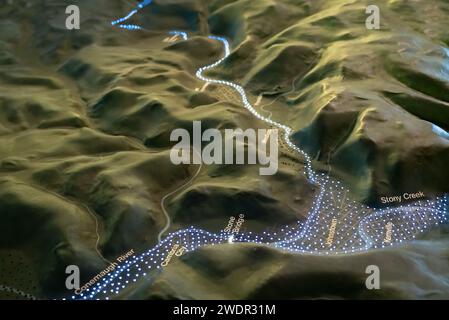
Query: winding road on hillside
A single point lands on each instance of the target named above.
(336, 224)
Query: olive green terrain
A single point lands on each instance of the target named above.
(86, 116)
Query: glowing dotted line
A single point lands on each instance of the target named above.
(18, 292)
(359, 229)
(129, 26)
(124, 18)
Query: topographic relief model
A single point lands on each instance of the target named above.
(224, 149)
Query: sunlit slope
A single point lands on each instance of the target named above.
(86, 116)
(361, 100)
(244, 271)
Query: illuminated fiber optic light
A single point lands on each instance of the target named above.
(440, 131)
(124, 18)
(130, 26)
(141, 5)
(182, 34)
(192, 238)
(336, 223)
(250, 108)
